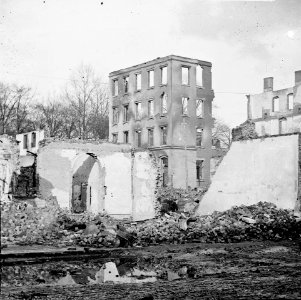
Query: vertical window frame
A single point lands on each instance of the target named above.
(115, 114)
(199, 76)
(199, 137)
(151, 83)
(138, 76)
(200, 112)
(138, 110)
(150, 137)
(163, 104)
(126, 84)
(188, 75)
(150, 108)
(115, 87)
(163, 135)
(185, 101)
(125, 113)
(290, 104)
(163, 75)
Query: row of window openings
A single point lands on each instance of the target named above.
(276, 104)
(33, 140)
(163, 109)
(151, 79)
(164, 167)
(150, 137)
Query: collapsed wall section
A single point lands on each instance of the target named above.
(256, 170)
(9, 166)
(100, 177)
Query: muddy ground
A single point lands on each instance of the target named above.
(249, 270)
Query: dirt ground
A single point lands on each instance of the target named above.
(249, 270)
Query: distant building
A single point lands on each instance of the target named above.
(276, 112)
(29, 141)
(165, 105)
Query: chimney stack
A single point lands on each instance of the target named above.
(297, 77)
(268, 84)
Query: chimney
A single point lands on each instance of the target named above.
(268, 84)
(297, 77)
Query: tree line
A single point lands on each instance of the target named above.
(80, 110)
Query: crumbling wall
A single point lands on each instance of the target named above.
(256, 170)
(244, 131)
(114, 183)
(9, 166)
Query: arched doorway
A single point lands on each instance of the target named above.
(87, 184)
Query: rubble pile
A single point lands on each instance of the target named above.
(262, 221)
(25, 224)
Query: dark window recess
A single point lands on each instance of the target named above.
(164, 167)
(126, 137)
(138, 138)
(126, 113)
(115, 138)
(150, 137)
(164, 135)
(126, 84)
(199, 169)
(25, 141)
(33, 140)
(199, 137)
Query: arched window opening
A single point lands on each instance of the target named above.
(275, 106)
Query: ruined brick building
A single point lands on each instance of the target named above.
(276, 112)
(165, 105)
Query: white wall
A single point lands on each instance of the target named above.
(20, 138)
(253, 171)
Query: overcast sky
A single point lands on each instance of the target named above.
(43, 41)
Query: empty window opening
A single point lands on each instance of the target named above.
(184, 106)
(25, 141)
(200, 108)
(138, 82)
(163, 104)
(138, 110)
(185, 75)
(164, 168)
(275, 104)
(199, 169)
(290, 101)
(115, 137)
(151, 81)
(150, 137)
(33, 140)
(151, 108)
(126, 137)
(282, 126)
(164, 75)
(126, 84)
(126, 113)
(199, 137)
(115, 115)
(138, 138)
(163, 135)
(199, 76)
(115, 87)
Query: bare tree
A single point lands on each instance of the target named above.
(88, 104)
(14, 108)
(221, 132)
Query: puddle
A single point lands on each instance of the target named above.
(87, 273)
(108, 273)
(276, 249)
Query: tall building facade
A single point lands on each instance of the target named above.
(165, 105)
(276, 112)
